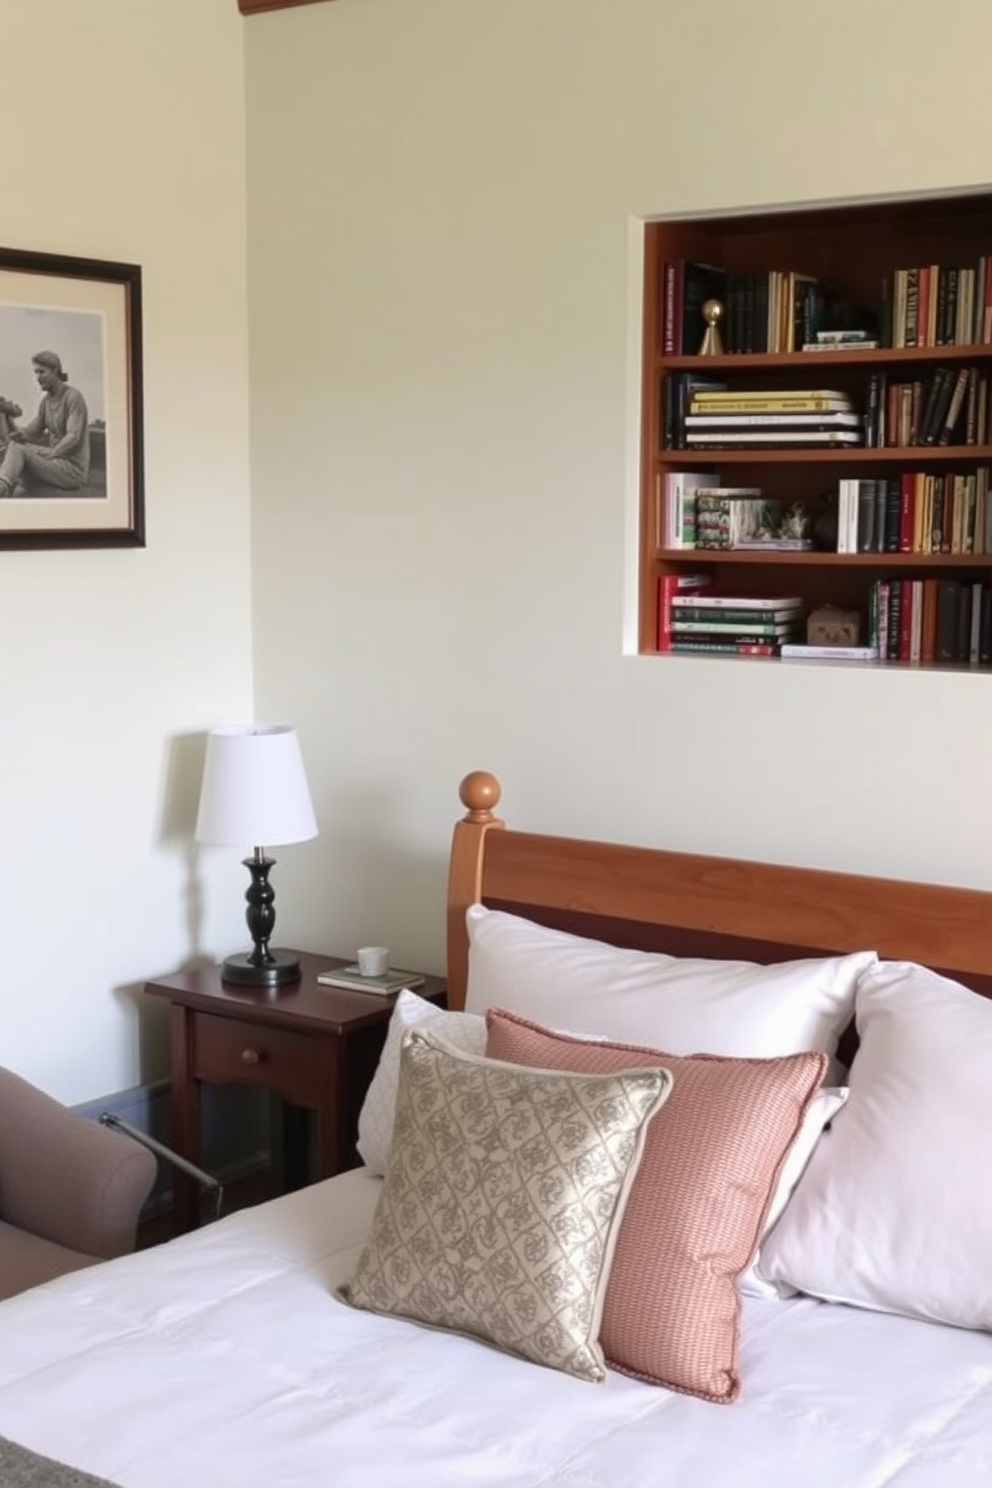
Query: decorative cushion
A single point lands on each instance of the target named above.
(819, 1114)
(683, 1004)
(502, 1199)
(894, 1211)
(375, 1119)
(698, 1203)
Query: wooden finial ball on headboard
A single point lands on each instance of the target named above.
(479, 793)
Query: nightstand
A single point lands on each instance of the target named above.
(315, 1046)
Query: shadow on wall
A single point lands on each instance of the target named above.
(181, 776)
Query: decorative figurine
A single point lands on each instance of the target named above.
(795, 522)
(712, 343)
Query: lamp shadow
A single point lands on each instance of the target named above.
(181, 776)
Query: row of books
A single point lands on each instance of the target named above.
(778, 310)
(940, 620)
(919, 511)
(951, 406)
(940, 304)
(931, 621)
(786, 310)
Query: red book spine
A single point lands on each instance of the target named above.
(907, 510)
(672, 329)
(669, 585)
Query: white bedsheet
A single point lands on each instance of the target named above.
(222, 1361)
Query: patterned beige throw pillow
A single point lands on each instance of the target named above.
(502, 1199)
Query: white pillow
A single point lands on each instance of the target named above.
(375, 1119)
(681, 1004)
(819, 1113)
(894, 1211)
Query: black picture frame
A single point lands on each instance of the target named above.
(88, 313)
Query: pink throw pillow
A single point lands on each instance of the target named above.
(696, 1210)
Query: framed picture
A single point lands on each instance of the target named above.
(71, 460)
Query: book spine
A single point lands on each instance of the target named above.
(840, 338)
(819, 420)
(672, 308)
(873, 413)
(717, 407)
(730, 648)
(895, 619)
(741, 618)
(741, 602)
(893, 509)
(955, 407)
(830, 653)
(733, 629)
(670, 584)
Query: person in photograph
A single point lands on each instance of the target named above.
(53, 448)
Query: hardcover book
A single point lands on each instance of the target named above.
(739, 602)
(394, 980)
(718, 397)
(792, 652)
(737, 629)
(758, 438)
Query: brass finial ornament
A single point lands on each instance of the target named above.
(712, 343)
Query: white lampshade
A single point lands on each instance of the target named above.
(254, 791)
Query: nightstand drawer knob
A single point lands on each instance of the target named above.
(250, 1056)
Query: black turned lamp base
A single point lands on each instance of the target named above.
(274, 970)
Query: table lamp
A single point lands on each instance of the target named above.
(255, 791)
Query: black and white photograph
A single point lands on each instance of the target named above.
(70, 402)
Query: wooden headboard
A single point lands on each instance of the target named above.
(691, 905)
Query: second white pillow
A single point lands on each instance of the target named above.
(686, 1005)
(375, 1120)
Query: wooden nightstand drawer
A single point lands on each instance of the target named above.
(233, 1051)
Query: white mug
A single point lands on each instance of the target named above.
(373, 961)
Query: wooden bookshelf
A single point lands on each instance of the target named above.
(851, 252)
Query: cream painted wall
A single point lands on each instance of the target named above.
(440, 198)
(124, 123)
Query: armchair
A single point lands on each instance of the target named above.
(71, 1191)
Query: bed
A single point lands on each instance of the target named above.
(247, 1353)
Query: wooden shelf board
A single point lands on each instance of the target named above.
(760, 361)
(858, 455)
(945, 667)
(693, 557)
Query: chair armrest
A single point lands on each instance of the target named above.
(66, 1178)
(193, 1170)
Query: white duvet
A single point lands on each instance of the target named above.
(222, 1360)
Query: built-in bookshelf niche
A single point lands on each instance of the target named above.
(855, 367)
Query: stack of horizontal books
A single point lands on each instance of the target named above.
(732, 624)
(841, 341)
(772, 418)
